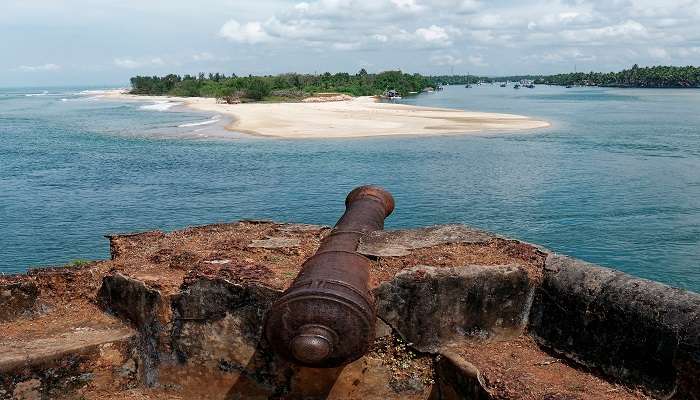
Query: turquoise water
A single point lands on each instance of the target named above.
(615, 180)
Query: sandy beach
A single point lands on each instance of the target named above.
(359, 117)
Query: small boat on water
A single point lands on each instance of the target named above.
(392, 95)
(516, 86)
(467, 86)
(503, 85)
(568, 86)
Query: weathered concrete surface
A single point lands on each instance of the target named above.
(197, 300)
(457, 379)
(143, 307)
(217, 321)
(396, 243)
(517, 368)
(217, 336)
(275, 243)
(431, 307)
(71, 358)
(639, 331)
(18, 299)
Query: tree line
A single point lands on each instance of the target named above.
(290, 85)
(294, 86)
(642, 77)
(636, 76)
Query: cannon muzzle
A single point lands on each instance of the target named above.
(327, 316)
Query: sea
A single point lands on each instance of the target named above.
(615, 180)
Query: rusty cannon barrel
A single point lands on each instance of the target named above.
(327, 316)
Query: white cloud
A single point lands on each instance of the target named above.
(380, 37)
(688, 51)
(130, 63)
(433, 34)
(250, 32)
(619, 32)
(564, 56)
(477, 61)
(408, 5)
(541, 32)
(445, 60)
(346, 46)
(203, 56)
(659, 53)
(43, 67)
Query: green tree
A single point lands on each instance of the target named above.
(257, 88)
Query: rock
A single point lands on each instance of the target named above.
(127, 243)
(381, 329)
(432, 306)
(17, 300)
(275, 243)
(636, 330)
(458, 379)
(28, 390)
(217, 329)
(398, 243)
(301, 227)
(132, 300)
(62, 359)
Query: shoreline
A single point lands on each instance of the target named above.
(356, 118)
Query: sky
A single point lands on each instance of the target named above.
(104, 42)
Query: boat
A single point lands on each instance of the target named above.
(503, 85)
(568, 86)
(467, 86)
(516, 86)
(392, 95)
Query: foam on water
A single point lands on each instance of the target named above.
(161, 105)
(210, 121)
(44, 93)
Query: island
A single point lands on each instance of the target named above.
(320, 106)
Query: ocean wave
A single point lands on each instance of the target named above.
(160, 106)
(81, 98)
(97, 92)
(212, 120)
(44, 93)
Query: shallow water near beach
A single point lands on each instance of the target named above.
(614, 181)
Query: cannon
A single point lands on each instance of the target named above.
(327, 316)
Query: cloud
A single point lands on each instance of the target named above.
(43, 67)
(346, 46)
(250, 32)
(541, 32)
(619, 32)
(445, 60)
(130, 63)
(203, 56)
(564, 56)
(380, 37)
(659, 53)
(408, 5)
(433, 34)
(477, 61)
